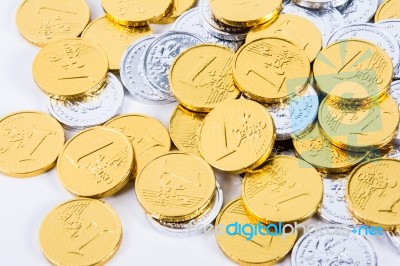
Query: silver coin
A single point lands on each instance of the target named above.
(328, 21)
(160, 55)
(394, 239)
(94, 111)
(334, 207)
(132, 76)
(194, 227)
(190, 22)
(320, 4)
(333, 245)
(373, 34)
(296, 115)
(393, 27)
(394, 152)
(358, 11)
(217, 28)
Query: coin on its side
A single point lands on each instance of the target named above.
(175, 187)
(201, 77)
(96, 163)
(236, 136)
(70, 68)
(42, 22)
(148, 136)
(279, 192)
(266, 247)
(80, 232)
(30, 143)
(373, 191)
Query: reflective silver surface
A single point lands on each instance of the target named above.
(358, 11)
(320, 4)
(393, 27)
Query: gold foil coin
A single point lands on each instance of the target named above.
(315, 149)
(389, 9)
(201, 77)
(296, 29)
(96, 163)
(184, 128)
(148, 136)
(271, 70)
(353, 71)
(70, 68)
(113, 38)
(136, 13)
(175, 187)
(243, 13)
(43, 21)
(359, 128)
(261, 249)
(180, 6)
(285, 190)
(82, 232)
(29, 143)
(373, 193)
(236, 136)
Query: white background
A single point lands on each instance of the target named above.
(25, 202)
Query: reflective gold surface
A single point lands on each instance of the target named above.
(295, 29)
(271, 70)
(389, 9)
(148, 136)
(353, 71)
(70, 68)
(285, 190)
(80, 232)
(373, 193)
(96, 163)
(180, 6)
(359, 128)
(243, 13)
(315, 149)
(113, 38)
(136, 13)
(184, 128)
(29, 143)
(201, 77)
(260, 250)
(237, 135)
(42, 21)
(175, 187)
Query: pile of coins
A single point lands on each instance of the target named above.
(302, 106)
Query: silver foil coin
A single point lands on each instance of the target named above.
(358, 11)
(333, 245)
(93, 111)
(394, 239)
(320, 4)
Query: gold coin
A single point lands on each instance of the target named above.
(70, 68)
(315, 149)
(42, 22)
(175, 187)
(136, 13)
(29, 143)
(148, 136)
(243, 13)
(113, 38)
(285, 190)
(263, 248)
(180, 6)
(389, 9)
(80, 232)
(373, 193)
(201, 77)
(353, 71)
(238, 135)
(298, 30)
(184, 128)
(96, 163)
(271, 70)
(359, 128)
